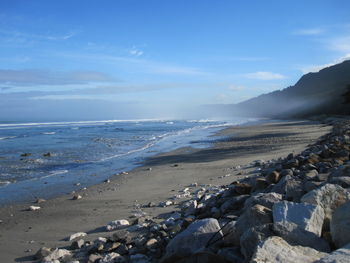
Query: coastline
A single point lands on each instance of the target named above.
(103, 203)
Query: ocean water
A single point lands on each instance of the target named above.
(49, 159)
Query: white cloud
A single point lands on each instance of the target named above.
(316, 68)
(309, 32)
(264, 75)
(41, 77)
(135, 52)
(236, 88)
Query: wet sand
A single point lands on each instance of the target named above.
(23, 232)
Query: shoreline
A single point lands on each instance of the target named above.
(60, 217)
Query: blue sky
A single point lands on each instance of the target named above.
(158, 58)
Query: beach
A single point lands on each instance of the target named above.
(161, 177)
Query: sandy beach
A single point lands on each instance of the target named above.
(23, 232)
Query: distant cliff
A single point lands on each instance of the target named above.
(324, 92)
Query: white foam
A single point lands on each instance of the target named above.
(8, 137)
(49, 133)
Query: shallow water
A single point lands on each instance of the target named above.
(47, 159)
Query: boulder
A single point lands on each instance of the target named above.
(204, 257)
(341, 255)
(233, 203)
(276, 250)
(289, 186)
(273, 177)
(189, 207)
(340, 227)
(264, 199)
(307, 216)
(194, 238)
(255, 216)
(343, 181)
(57, 254)
(232, 254)
(112, 258)
(252, 237)
(295, 235)
(117, 224)
(329, 197)
(76, 235)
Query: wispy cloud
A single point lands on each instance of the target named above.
(236, 88)
(316, 68)
(15, 36)
(38, 77)
(135, 52)
(309, 31)
(264, 75)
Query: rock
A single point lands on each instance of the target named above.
(94, 258)
(43, 252)
(152, 243)
(260, 184)
(139, 258)
(329, 197)
(57, 254)
(295, 235)
(340, 227)
(111, 258)
(341, 255)
(310, 175)
(252, 237)
(255, 216)
(276, 250)
(341, 171)
(48, 154)
(311, 185)
(195, 237)
(166, 203)
(307, 216)
(76, 235)
(231, 254)
(229, 232)
(273, 177)
(76, 197)
(290, 187)
(117, 224)
(242, 188)
(233, 203)
(77, 244)
(204, 257)
(189, 207)
(264, 199)
(322, 177)
(25, 154)
(34, 208)
(40, 200)
(343, 181)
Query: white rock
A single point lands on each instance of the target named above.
(194, 238)
(189, 207)
(341, 255)
(329, 197)
(77, 235)
(117, 224)
(307, 216)
(340, 226)
(57, 254)
(34, 208)
(110, 258)
(276, 250)
(166, 203)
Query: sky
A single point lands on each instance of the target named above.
(124, 59)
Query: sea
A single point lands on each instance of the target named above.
(53, 158)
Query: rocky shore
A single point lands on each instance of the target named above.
(294, 209)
